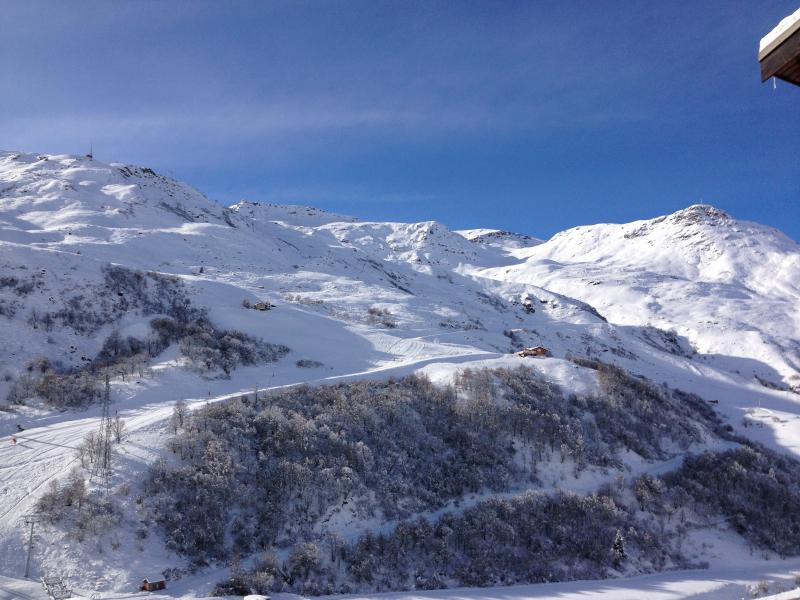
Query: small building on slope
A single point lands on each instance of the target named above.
(537, 351)
(152, 584)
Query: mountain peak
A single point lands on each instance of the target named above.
(700, 213)
(65, 193)
(496, 238)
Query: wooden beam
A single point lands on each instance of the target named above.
(784, 61)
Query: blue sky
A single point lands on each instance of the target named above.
(530, 116)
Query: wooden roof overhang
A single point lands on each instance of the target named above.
(781, 57)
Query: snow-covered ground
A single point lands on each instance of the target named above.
(696, 299)
(729, 582)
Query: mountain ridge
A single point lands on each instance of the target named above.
(109, 264)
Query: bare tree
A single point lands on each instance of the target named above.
(118, 428)
(179, 412)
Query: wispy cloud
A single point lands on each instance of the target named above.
(302, 79)
(302, 127)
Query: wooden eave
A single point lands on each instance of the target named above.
(781, 58)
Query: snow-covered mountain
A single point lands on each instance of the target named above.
(730, 287)
(62, 218)
(109, 261)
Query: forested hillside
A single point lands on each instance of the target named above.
(270, 477)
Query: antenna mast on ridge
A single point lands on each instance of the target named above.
(90, 156)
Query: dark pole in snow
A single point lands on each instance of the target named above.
(30, 520)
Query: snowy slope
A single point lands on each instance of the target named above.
(502, 240)
(731, 288)
(63, 218)
(440, 300)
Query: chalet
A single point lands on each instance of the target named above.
(151, 584)
(537, 351)
(779, 51)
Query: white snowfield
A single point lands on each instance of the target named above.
(696, 299)
(731, 583)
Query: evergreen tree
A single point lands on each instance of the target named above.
(618, 549)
